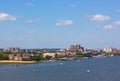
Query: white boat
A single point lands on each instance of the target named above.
(112, 55)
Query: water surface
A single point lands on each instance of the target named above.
(96, 69)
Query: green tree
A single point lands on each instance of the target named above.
(79, 54)
(41, 57)
(4, 56)
(48, 57)
(87, 55)
(37, 58)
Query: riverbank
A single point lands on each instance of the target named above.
(20, 62)
(61, 59)
(104, 69)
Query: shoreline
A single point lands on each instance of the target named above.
(33, 62)
(19, 62)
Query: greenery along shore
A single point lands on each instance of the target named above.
(4, 57)
(45, 55)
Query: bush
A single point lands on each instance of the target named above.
(48, 57)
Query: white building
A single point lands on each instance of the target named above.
(49, 54)
(107, 49)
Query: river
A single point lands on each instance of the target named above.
(95, 69)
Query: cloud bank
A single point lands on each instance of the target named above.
(99, 17)
(6, 17)
(112, 26)
(64, 23)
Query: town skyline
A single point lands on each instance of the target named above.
(77, 47)
(59, 23)
(68, 46)
(74, 51)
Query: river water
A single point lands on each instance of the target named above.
(95, 69)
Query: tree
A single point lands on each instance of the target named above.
(41, 57)
(37, 58)
(48, 57)
(79, 54)
(87, 55)
(4, 56)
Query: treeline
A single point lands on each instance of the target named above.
(79, 54)
(4, 55)
(39, 57)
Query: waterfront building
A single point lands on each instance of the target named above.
(115, 50)
(49, 54)
(110, 50)
(107, 50)
(19, 57)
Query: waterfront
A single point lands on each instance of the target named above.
(95, 69)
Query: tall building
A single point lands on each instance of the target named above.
(77, 48)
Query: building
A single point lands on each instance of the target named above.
(49, 54)
(11, 49)
(107, 50)
(110, 50)
(19, 57)
(115, 50)
(76, 48)
(16, 57)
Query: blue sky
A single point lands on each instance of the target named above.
(59, 23)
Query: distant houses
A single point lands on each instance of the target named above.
(108, 50)
(12, 49)
(20, 57)
(74, 51)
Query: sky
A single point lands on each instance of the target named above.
(59, 23)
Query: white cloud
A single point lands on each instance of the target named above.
(109, 27)
(31, 21)
(112, 26)
(99, 17)
(117, 23)
(6, 17)
(64, 23)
